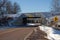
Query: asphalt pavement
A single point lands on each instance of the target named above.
(14, 33)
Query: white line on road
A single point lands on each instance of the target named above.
(28, 35)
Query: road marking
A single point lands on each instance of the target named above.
(28, 35)
(8, 31)
(34, 30)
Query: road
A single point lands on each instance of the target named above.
(37, 34)
(14, 33)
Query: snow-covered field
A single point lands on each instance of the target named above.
(53, 34)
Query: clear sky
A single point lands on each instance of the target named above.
(34, 5)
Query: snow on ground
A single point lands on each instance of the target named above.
(52, 33)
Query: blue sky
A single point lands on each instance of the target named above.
(34, 5)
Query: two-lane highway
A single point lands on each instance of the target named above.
(15, 33)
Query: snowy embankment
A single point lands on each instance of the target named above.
(52, 33)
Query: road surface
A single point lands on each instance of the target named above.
(37, 34)
(14, 33)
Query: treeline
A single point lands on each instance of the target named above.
(8, 7)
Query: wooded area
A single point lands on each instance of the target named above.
(7, 7)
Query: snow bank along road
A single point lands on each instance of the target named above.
(53, 34)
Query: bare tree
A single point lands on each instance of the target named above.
(16, 8)
(56, 6)
(2, 2)
(8, 7)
